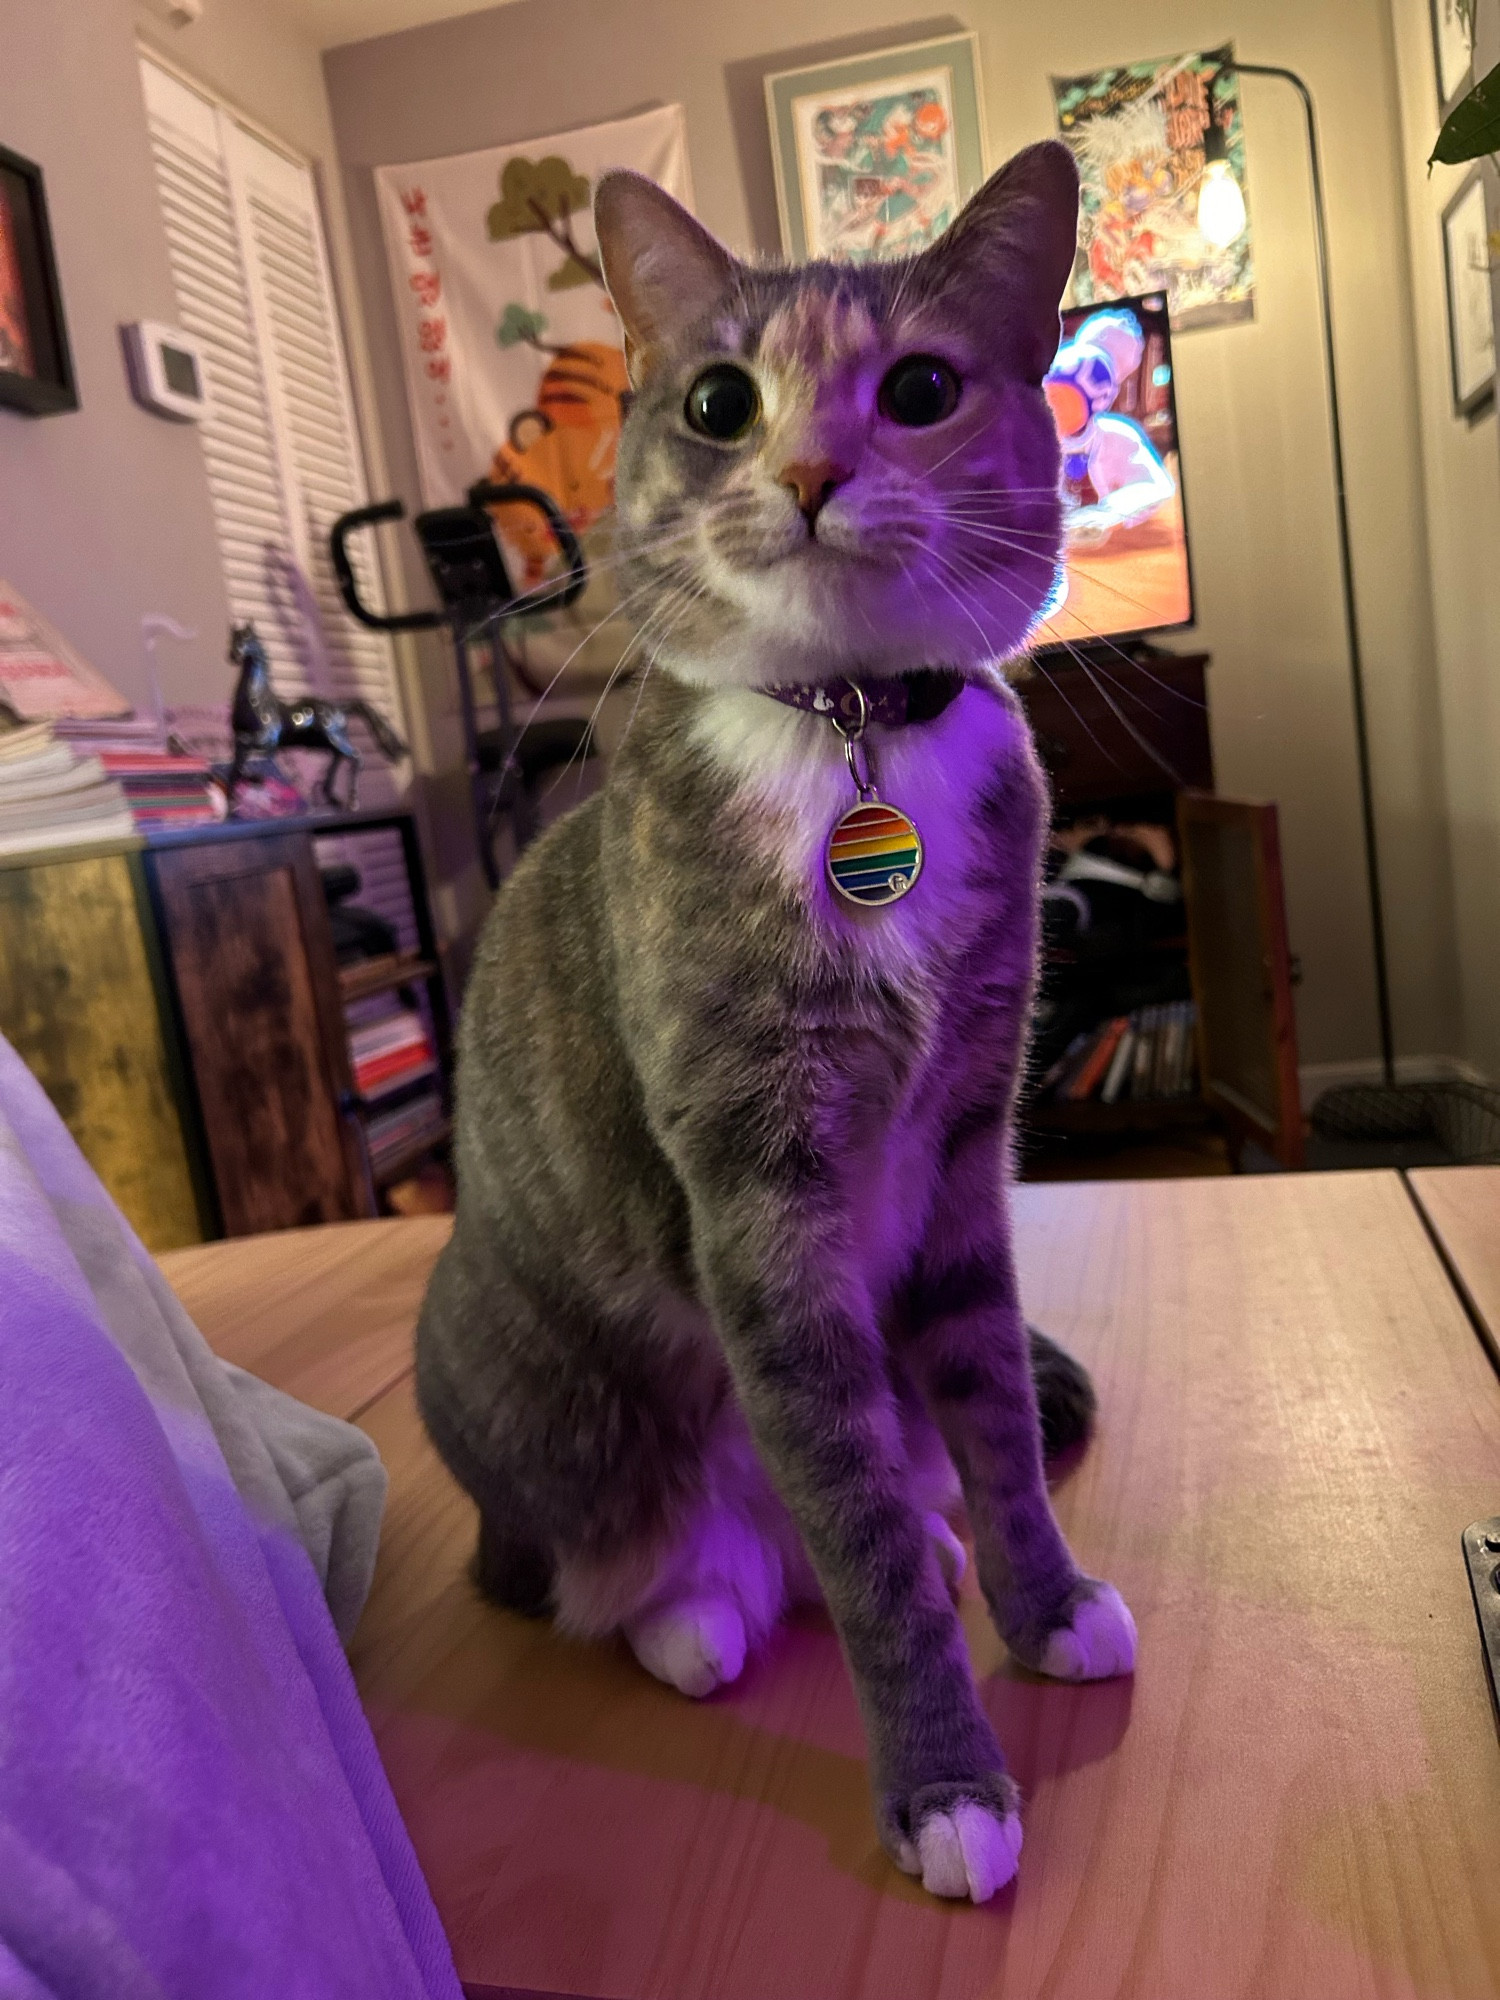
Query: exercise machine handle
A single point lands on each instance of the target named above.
(561, 590)
(343, 569)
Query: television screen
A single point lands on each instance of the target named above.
(1111, 395)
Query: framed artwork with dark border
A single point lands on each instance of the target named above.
(876, 154)
(36, 368)
(1452, 50)
(1471, 312)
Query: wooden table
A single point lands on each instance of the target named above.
(1296, 1798)
(1462, 1209)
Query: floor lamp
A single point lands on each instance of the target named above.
(1463, 1118)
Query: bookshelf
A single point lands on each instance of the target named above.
(305, 1088)
(1120, 736)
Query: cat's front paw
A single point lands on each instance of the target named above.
(1098, 1641)
(963, 1839)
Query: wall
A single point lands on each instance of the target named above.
(1461, 468)
(104, 511)
(1252, 402)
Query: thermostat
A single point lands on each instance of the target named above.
(166, 370)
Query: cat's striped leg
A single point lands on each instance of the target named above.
(968, 1346)
(810, 1374)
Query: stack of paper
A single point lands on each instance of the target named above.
(50, 798)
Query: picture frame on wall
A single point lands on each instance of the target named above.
(1452, 49)
(36, 365)
(1471, 313)
(876, 154)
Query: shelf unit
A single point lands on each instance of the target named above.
(274, 1127)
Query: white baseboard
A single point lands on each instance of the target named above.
(1315, 1078)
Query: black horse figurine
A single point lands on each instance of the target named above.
(264, 723)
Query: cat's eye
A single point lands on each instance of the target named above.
(919, 391)
(723, 403)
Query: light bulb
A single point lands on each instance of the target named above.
(1221, 206)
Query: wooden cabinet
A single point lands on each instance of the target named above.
(183, 1008)
(250, 957)
(1123, 725)
(79, 1004)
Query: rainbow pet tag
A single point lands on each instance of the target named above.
(874, 854)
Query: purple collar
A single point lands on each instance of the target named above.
(918, 696)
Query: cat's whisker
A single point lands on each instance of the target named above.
(535, 710)
(621, 667)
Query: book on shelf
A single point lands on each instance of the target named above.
(163, 788)
(1142, 1057)
(390, 1044)
(1120, 1065)
(388, 1134)
(51, 798)
(1092, 1071)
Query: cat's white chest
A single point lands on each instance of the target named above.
(794, 787)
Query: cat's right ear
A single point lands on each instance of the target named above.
(662, 268)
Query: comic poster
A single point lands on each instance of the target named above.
(514, 361)
(876, 154)
(878, 169)
(1137, 132)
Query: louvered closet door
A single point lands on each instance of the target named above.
(292, 294)
(252, 280)
(251, 514)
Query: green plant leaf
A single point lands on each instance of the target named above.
(520, 324)
(534, 193)
(1472, 127)
(569, 273)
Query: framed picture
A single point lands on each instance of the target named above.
(1471, 312)
(36, 369)
(1452, 49)
(876, 154)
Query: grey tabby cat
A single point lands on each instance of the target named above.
(730, 1293)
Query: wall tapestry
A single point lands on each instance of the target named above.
(515, 369)
(1136, 131)
(876, 154)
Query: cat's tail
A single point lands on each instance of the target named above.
(391, 746)
(1065, 1397)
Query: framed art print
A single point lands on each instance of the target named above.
(1471, 312)
(36, 369)
(876, 154)
(1452, 49)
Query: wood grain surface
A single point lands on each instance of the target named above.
(326, 1314)
(1296, 1798)
(1462, 1206)
(78, 1004)
(247, 935)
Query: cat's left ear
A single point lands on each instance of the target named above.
(663, 269)
(1011, 251)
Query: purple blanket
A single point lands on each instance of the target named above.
(191, 1803)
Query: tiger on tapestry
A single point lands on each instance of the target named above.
(566, 445)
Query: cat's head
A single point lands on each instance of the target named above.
(840, 466)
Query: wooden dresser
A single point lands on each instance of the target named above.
(181, 1004)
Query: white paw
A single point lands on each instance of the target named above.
(1099, 1642)
(953, 1557)
(965, 1852)
(694, 1646)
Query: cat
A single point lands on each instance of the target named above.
(729, 1313)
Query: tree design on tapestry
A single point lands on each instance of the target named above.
(566, 441)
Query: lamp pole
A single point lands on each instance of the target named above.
(1346, 560)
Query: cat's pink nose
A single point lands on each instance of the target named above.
(814, 481)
